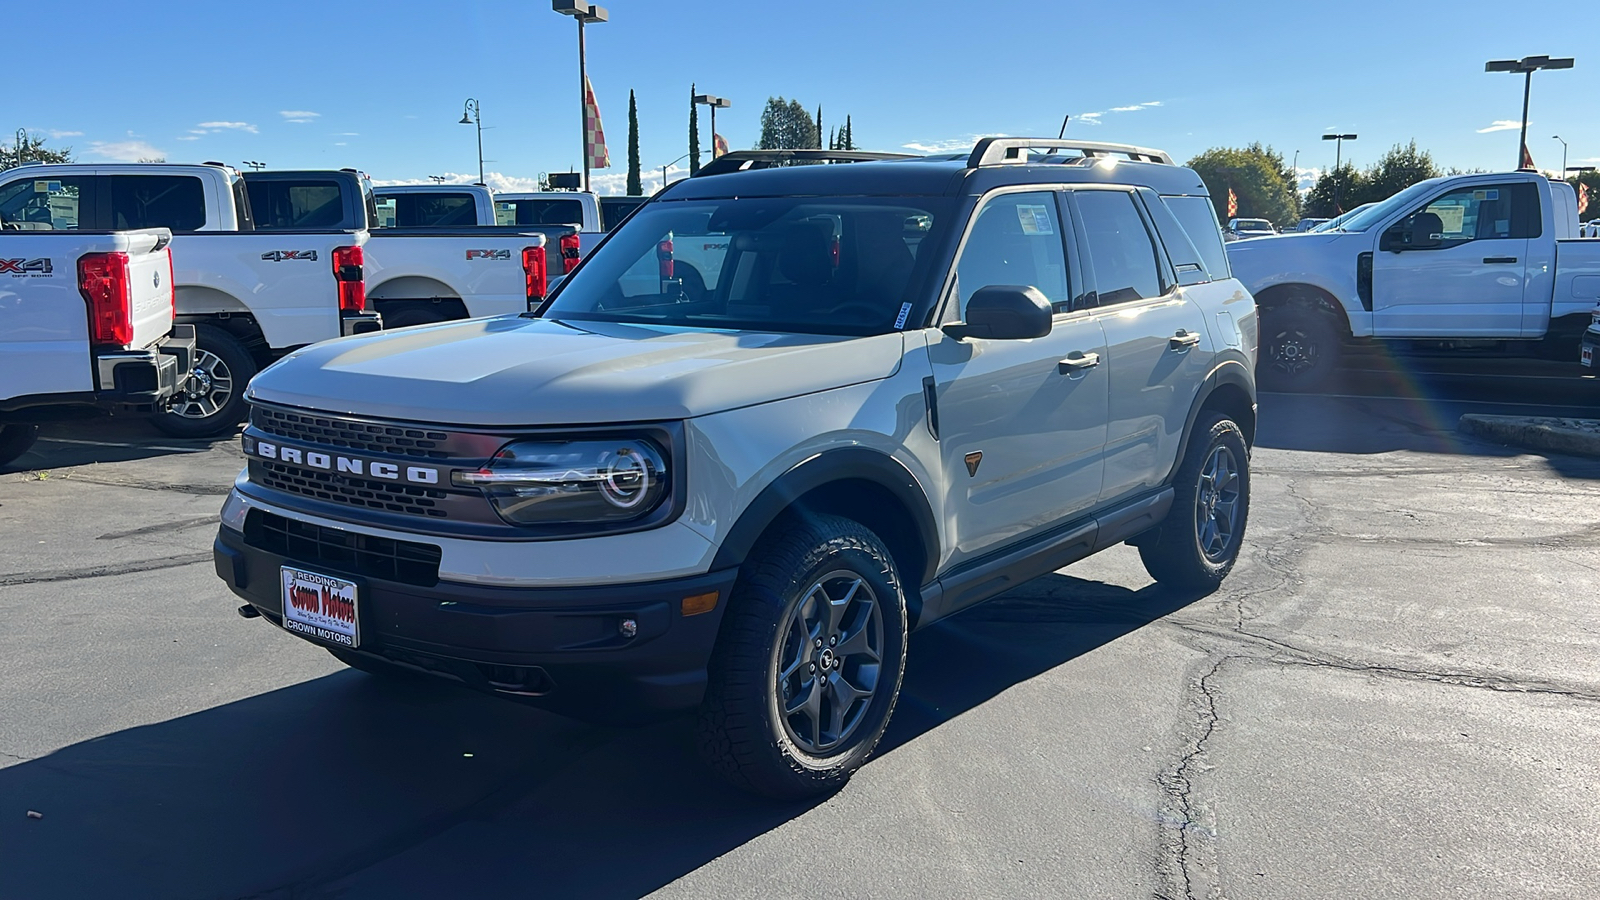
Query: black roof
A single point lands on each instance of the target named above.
(932, 176)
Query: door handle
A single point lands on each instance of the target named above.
(1491, 260)
(1078, 362)
(1183, 340)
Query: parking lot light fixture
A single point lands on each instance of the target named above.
(1557, 137)
(1338, 159)
(470, 115)
(255, 165)
(715, 103)
(1526, 66)
(585, 13)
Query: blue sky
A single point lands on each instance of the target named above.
(380, 85)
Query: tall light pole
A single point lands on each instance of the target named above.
(664, 169)
(20, 143)
(585, 13)
(715, 103)
(1338, 159)
(1557, 137)
(472, 114)
(255, 165)
(1527, 66)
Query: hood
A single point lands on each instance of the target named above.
(513, 371)
(1304, 256)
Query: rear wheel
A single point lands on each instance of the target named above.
(408, 315)
(1299, 349)
(808, 665)
(16, 440)
(211, 400)
(1197, 544)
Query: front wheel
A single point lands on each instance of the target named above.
(1197, 544)
(809, 661)
(16, 440)
(210, 401)
(1299, 349)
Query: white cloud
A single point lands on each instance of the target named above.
(1501, 125)
(187, 137)
(229, 126)
(198, 131)
(124, 151)
(1151, 103)
(299, 116)
(1089, 118)
(341, 143)
(58, 135)
(948, 145)
(347, 134)
(1126, 108)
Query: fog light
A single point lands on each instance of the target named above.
(628, 628)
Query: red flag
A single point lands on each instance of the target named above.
(1583, 198)
(719, 145)
(1233, 204)
(594, 135)
(1527, 158)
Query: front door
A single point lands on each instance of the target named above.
(1022, 423)
(1470, 282)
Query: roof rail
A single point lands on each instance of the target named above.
(997, 151)
(744, 160)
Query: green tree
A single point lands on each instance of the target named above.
(1257, 177)
(33, 150)
(694, 135)
(635, 182)
(819, 126)
(847, 137)
(1346, 183)
(785, 125)
(1400, 168)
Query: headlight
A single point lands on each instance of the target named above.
(552, 482)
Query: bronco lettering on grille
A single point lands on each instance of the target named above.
(332, 462)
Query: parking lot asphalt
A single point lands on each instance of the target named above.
(1396, 694)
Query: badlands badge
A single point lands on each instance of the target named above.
(320, 607)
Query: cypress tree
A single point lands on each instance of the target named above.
(635, 183)
(819, 126)
(694, 135)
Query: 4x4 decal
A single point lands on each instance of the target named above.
(39, 266)
(488, 254)
(281, 255)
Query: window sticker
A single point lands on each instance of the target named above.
(900, 320)
(1451, 216)
(1486, 195)
(1034, 218)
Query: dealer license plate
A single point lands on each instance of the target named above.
(1588, 354)
(320, 607)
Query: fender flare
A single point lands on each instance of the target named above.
(1234, 370)
(830, 466)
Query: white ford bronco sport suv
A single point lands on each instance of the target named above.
(915, 385)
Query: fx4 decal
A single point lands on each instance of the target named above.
(488, 254)
(25, 266)
(281, 255)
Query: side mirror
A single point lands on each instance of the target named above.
(1002, 312)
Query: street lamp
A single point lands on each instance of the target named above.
(471, 114)
(436, 179)
(585, 13)
(715, 103)
(1527, 66)
(20, 143)
(255, 165)
(1338, 158)
(1557, 137)
(673, 163)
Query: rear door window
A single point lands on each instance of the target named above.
(427, 210)
(1121, 253)
(177, 202)
(46, 204)
(297, 205)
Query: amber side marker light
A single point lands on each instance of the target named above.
(699, 603)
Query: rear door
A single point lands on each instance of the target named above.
(1156, 338)
(1474, 282)
(1021, 435)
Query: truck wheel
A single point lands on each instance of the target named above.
(1195, 547)
(1299, 349)
(808, 664)
(15, 440)
(409, 315)
(211, 400)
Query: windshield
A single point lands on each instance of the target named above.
(1364, 218)
(804, 265)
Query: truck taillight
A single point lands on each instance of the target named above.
(103, 282)
(664, 257)
(347, 262)
(535, 273)
(571, 253)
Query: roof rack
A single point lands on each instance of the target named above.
(745, 160)
(996, 151)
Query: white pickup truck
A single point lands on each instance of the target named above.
(86, 326)
(252, 296)
(438, 265)
(1490, 264)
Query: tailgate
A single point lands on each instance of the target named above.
(150, 285)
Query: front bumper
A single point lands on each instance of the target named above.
(558, 648)
(138, 382)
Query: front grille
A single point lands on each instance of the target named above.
(349, 490)
(351, 434)
(406, 562)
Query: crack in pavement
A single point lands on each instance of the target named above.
(148, 565)
(1178, 862)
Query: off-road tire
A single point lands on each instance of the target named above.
(741, 733)
(1300, 349)
(241, 367)
(1172, 552)
(16, 440)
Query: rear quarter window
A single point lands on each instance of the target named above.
(1199, 220)
(288, 205)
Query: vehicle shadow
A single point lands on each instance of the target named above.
(106, 439)
(351, 786)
